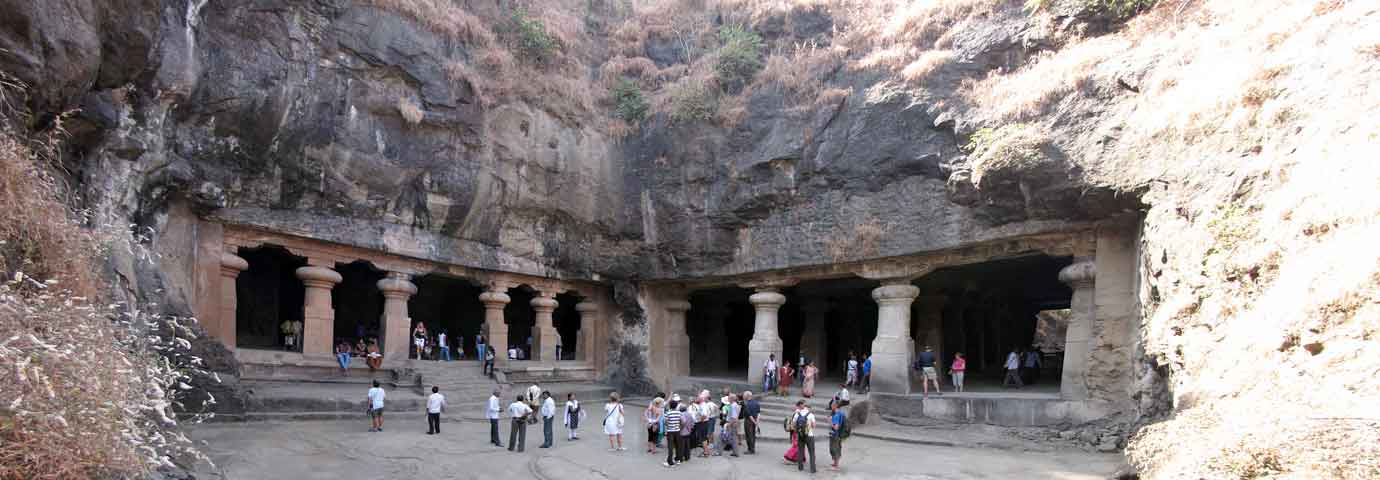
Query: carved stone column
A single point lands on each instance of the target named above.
(676, 343)
(893, 348)
(397, 288)
(589, 317)
(814, 338)
(929, 310)
(544, 338)
(1081, 277)
(318, 317)
(224, 328)
(495, 329)
(766, 341)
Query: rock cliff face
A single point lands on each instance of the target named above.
(344, 120)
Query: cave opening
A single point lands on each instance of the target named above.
(826, 321)
(358, 303)
(988, 310)
(566, 320)
(720, 323)
(521, 320)
(451, 305)
(267, 294)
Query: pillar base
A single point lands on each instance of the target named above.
(891, 365)
(758, 353)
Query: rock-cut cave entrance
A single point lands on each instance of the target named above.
(986, 310)
(719, 324)
(566, 320)
(357, 302)
(451, 305)
(521, 320)
(267, 294)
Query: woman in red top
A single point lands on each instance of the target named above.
(785, 373)
(956, 369)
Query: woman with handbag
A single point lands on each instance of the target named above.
(613, 423)
(653, 418)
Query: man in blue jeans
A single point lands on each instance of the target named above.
(444, 341)
(866, 373)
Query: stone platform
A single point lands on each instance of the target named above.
(1009, 409)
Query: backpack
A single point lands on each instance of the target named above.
(801, 421)
(790, 426)
(844, 430)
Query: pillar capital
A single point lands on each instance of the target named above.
(319, 277)
(678, 306)
(544, 304)
(1081, 274)
(231, 265)
(494, 299)
(900, 294)
(397, 285)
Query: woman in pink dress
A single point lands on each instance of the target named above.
(807, 379)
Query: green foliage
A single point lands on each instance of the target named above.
(532, 41)
(693, 101)
(629, 103)
(1118, 9)
(740, 56)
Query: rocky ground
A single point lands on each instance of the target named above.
(344, 449)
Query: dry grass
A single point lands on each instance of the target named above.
(410, 111)
(919, 70)
(445, 17)
(1033, 90)
(802, 74)
(86, 393)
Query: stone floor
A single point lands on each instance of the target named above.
(344, 449)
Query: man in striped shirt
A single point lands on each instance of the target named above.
(674, 423)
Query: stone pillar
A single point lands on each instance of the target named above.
(224, 328)
(318, 317)
(544, 338)
(396, 323)
(495, 329)
(766, 340)
(930, 331)
(1081, 277)
(893, 348)
(584, 343)
(814, 337)
(676, 343)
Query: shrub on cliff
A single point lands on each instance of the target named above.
(629, 103)
(740, 57)
(693, 101)
(532, 41)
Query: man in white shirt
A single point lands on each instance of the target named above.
(558, 346)
(548, 416)
(513, 353)
(434, 405)
(534, 396)
(1013, 370)
(518, 411)
(442, 342)
(842, 397)
(852, 370)
(769, 374)
(376, 396)
(804, 423)
(492, 414)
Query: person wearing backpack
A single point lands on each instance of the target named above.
(804, 423)
(838, 431)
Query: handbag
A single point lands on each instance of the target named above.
(531, 419)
